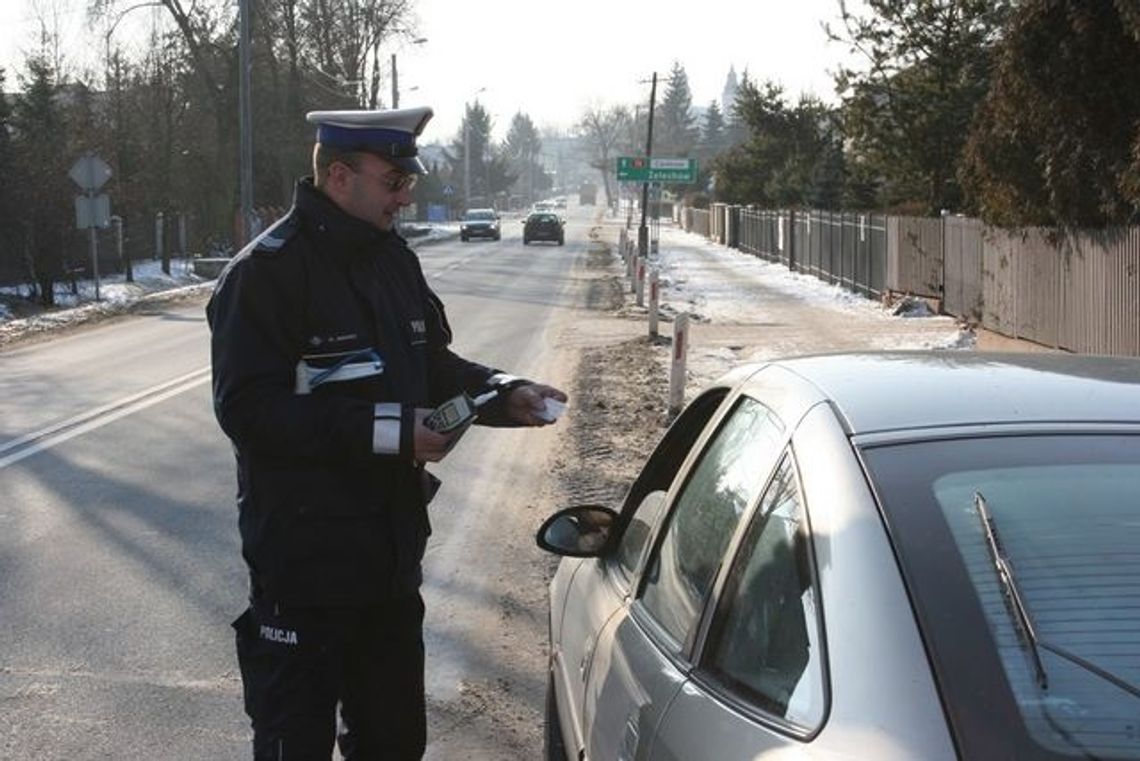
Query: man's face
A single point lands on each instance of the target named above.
(375, 191)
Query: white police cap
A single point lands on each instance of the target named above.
(391, 135)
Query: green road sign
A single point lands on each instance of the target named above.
(639, 169)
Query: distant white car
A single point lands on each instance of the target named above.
(900, 556)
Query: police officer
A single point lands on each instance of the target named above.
(328, 350)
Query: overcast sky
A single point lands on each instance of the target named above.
(550, 59)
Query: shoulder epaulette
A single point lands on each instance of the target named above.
(273, 240)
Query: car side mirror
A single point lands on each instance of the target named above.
(581, 532)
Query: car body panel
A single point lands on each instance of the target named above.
(648, 698)
(578, 621)
(629, 690)
(899, 390)
(873, 657)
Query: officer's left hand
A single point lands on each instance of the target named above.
(526, 404)
(431, 446)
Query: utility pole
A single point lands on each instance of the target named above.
(642, 230)
(467, 160)
(395, 84)
(245, 121)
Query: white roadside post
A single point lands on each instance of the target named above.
(639, 281)
(677, 369)
(653, 301)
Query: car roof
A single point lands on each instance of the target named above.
(899, 391)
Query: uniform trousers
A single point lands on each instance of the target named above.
(298, 664)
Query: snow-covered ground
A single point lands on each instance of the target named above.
(746, 309)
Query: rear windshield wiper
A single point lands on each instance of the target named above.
(1021, 612)
(1009, 586)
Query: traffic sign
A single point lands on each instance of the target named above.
(90, 173)
(92, 211)
(640, 169)
(449, 190)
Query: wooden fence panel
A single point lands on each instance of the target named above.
(1037, 280)
(1101, 292)
(998, 293)
(962, 260)
(918, 256)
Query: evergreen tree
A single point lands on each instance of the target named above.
(713, 135)
(522, 148)
(1057, 140)
(675, 127)
(491, 175)
(788, 158)
(907, 115)
(40, 144)
(10, 232)
(711, 145)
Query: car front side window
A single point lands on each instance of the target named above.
(726, 480)
(764, 639)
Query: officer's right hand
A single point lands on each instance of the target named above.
(432, 446)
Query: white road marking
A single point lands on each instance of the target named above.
(37, 441)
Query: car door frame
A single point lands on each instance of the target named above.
(788, 398)
(597, 589)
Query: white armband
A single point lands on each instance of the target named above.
(386, 429)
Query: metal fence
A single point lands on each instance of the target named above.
(1077, 290)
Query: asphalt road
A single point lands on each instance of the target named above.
(119, 560)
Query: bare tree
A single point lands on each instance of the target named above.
(603, 130)
(344, 39)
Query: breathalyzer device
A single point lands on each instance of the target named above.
(457, 412)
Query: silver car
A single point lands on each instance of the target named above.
(890, 556)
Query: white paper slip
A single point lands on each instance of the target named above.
(553, 410)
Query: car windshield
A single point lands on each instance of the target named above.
(1021, 554)
(479, 215)
(543, 218)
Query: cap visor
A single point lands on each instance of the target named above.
(411, 165)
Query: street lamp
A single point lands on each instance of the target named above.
(467, 151)
(395, 76)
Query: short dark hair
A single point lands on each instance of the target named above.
(324, 156)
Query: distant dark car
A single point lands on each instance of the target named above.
(543, 225)
(479, 223)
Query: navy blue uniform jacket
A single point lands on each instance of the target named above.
(332, 506)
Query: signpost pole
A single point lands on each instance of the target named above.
(90, 173)
(94, 245)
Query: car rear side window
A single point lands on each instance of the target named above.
(724, 483)
(764, 642)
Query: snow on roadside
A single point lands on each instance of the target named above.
(721, 288)
(118, 296)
